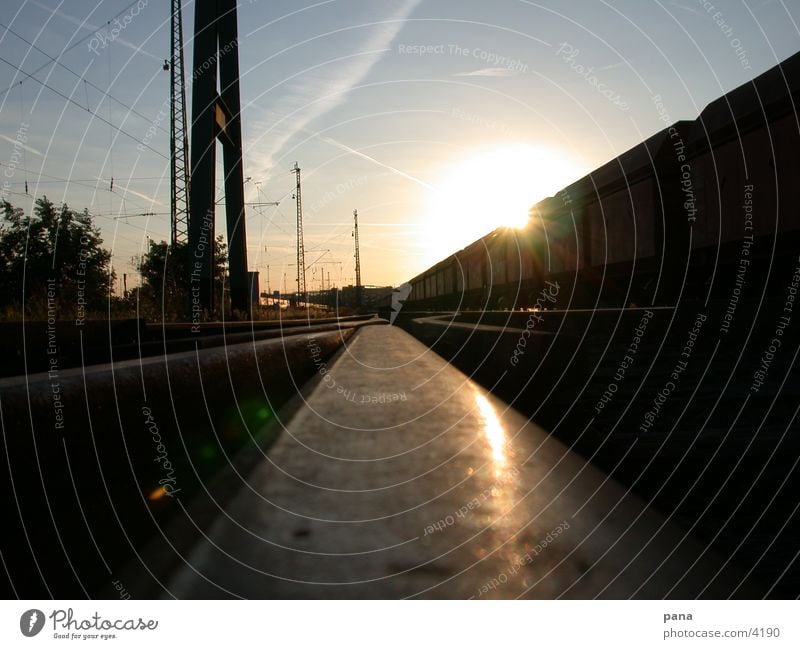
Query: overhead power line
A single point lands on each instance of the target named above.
(86, 81)
(80, 183)
(91, 112)
(75, 44)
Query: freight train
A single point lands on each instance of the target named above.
(700, 210)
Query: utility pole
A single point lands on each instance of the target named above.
(301, 253)
(178, 142)
(261, 204)
(312, 267)
(358, 260)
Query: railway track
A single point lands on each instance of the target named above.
(64, 344)
(653, 397)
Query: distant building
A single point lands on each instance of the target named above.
(371, 296)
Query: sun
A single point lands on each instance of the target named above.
(491, 188)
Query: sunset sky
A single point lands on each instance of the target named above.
(437, 119)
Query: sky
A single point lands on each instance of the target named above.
(438, 120)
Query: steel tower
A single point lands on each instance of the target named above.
(178, 142)
(358, 259)
(301, 251)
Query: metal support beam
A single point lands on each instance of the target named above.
(217, 116)
(232, 157)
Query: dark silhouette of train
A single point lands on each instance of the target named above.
(698, 210)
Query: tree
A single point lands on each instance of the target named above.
(56, 252)
(166, 278)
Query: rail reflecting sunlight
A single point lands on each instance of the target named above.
(503, 519)
(494, 432)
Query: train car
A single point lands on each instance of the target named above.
(613, 238)
(743, 177)
(666, 220)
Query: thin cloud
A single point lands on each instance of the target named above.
(301, 104)
(611, 66)
(369, 223)
(684, 7)
(126, 190)
(489, 72)
(359, 154)
(20, 144)
(93, 28)
(140, 195)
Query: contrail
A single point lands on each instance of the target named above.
(20, 144)
(303, 102)
(95, 28)
(395, 170)
(128, 190)
(140, 195)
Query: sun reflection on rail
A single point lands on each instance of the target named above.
(493, 430)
